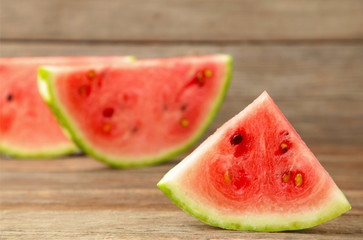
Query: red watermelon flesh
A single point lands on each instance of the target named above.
(141, 113)
(255, 173)
(27, 127)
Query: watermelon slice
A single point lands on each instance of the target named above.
(255, 173)
(27, 127)
(141, 113)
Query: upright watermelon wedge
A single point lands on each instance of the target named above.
(27, 127)
(255, 173)
(139, 113)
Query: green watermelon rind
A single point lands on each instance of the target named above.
(45, 83)
(337, 206)
(60, 151)
(175, 186)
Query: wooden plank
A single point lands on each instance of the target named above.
(103, 177)
(189, 20)
(104, 188)
(78, 198)
(151, 225)
(318, 87)
(136, 199)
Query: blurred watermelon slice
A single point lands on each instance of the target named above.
(27, 127)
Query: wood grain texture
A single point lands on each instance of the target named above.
(189, 20)
(318, 87)
(152, 225)
(307, 54)
(80, 198)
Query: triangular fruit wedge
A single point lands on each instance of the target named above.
(27, 127)
(255, 173)
(138, 113)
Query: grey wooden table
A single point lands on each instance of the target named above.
(307, 54)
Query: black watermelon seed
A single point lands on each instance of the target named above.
(183, 107)
(283, 150)
(9, 97)
(284, 147)
(236, 139)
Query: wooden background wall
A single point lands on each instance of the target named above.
(307, 54)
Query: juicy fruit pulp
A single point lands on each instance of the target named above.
(140, 113)
(27, 127)
(255, 173)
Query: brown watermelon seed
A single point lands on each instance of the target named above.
(165, 107)
(227, 178)
(91, 74)
(183, 107)
(208, 73)
(283, 147)
(84, 90)
(200, 78)
(9, 98)
(134, 129)
(184, 122)
(286, 177)
(236, 139)
(298, 179)
(108, 112)
(107, 127)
